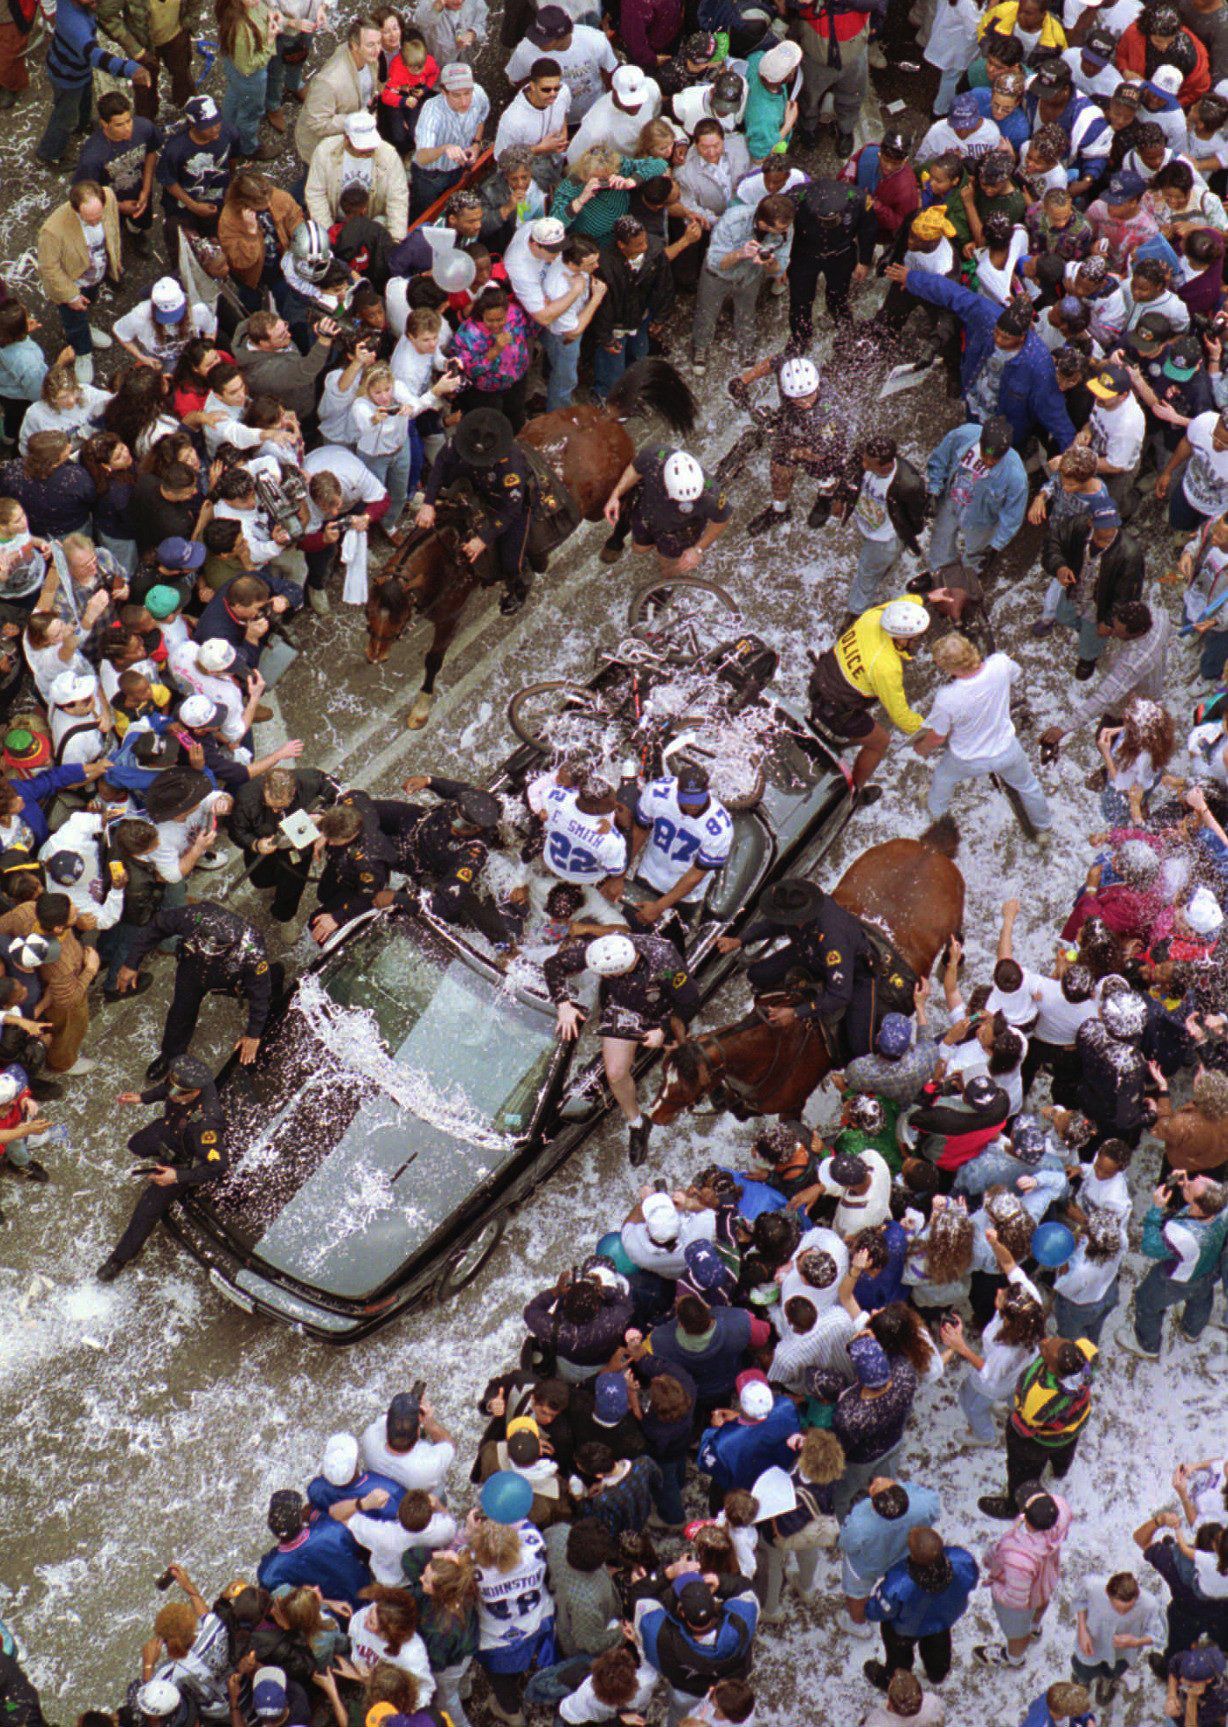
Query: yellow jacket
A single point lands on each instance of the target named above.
(1002, 19)
(873, 664)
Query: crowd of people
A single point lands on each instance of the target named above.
(309, 370)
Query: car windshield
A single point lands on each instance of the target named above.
(398, 1082)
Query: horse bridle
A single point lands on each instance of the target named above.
(741, 1088)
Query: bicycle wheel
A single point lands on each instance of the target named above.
(540, 714)
(678, 610)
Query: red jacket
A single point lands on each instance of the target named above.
(1132, 60)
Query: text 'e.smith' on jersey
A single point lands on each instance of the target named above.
(579, 847)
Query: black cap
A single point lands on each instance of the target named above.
(480, 809)
(698, 1606)
(997, 436)
(1053, 75)
(189, 1074)
(286, 1513)
(1155, 327)
(692, 780)
(1101, 40)
(484, 437)
(402, 1421)
(792, 901)
(728, 90)
(827, 198)
(896, 142)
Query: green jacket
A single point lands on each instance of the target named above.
(128, 24)
(765, 111)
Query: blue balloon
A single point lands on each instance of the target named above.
(611, 1247)
(506, 1497)
(1052, 1244)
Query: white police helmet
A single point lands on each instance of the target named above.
(610, 955)
(799, 377)
(683, 477)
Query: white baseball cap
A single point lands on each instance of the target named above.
(548, 231)
(1167, 78)
(660, 1218)
(73, 687)
(168, 300)
(158, 1697)
(360, 129)
(340, 1461)
(198, 711)
(755, 1398)
(215, 655)
(631, 87)
(9, 1087)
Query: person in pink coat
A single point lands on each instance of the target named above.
(1022, 1569)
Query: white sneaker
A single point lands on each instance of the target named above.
(100, 338)
(80, 1067)
(83, 368)
(1125, 1336)
(212, 859)
(863, 1632)
(1131, 1679)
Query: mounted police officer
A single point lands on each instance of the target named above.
(805, 434)
(219, 953)
(186, 1144)
(833, 238)
(827, 946)
(485, 456)
(645, 997)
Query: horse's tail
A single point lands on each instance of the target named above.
(942, 836)
(653, 386)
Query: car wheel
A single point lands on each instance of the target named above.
(466, 1261)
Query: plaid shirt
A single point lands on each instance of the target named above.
(1138, 670)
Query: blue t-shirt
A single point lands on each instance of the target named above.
(201, 170)
(1015, 126)
(322, 1495)
(120, 166)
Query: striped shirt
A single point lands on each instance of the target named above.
(439, 125)
(74, 50)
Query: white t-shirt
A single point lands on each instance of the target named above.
(581, 63)
(367, 1648)
(163, 342)
(385, 1540)
(358, 484)
(942, 137)
(1004, 1362)
(175, 837)
(1118, 433)
(85, 744)
(667, 1261)
(974, 714)
(558, 281)
(522, 123)
(526, 272)
(577, 849)
(1205, 482)
(1110, 1195)
(584, 1704)
(425, 1464)
(1083, 1280)
(607, 124)
(95, 240)
(1058, 1020)
(679, 839)
(870, 510)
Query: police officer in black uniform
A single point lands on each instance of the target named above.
(484, 455)
(833, 238)
(185, 1144)
(219, 953)
(646, 996)
(827, 945)
(673, 506)
(365, 839)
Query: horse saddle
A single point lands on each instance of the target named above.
(896, 980)
(556, 515)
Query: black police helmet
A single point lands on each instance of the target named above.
(479, 809)
(186, 1073)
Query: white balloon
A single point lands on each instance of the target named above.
(454, 272)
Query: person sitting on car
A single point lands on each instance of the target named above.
(581, 844)
(644, 998)
(682, 836)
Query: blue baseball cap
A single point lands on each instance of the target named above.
(965, 110)
(894, 1035)
(1124, 186)
(180, 554)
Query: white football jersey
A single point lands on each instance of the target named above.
(576, 848)
(679, 839)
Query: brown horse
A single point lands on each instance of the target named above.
(910, 889)
(585, 446)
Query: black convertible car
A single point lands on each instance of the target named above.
(410, 1095)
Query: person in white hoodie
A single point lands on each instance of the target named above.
(74, 865)
(1086, 1287)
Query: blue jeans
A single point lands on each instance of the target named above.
(946, 89)
(1158, 1292)
(1181, 513)
(668, 1499)
(70, 112)
(564, 360)
(608, 368)
(1085, 1319)
(398, 473)
(1091, 643)
(113, 945)
(77, 324)
(284, 78)
(244, 103)
(875, 561)
(946, 529)
(1012, 766)
(978, 1408)
(1214, 656)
